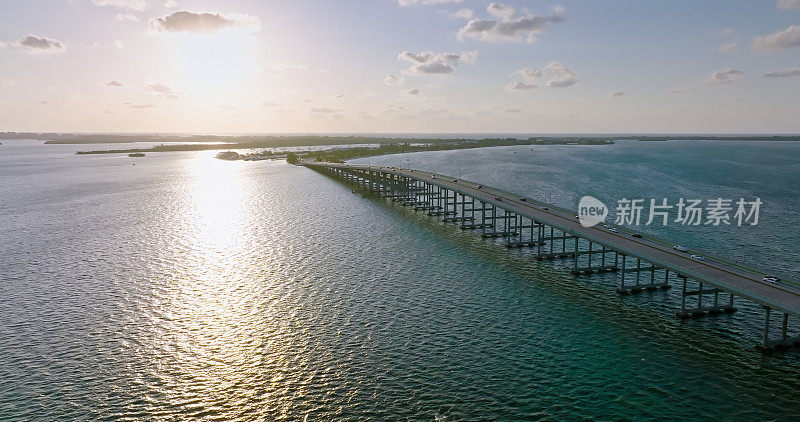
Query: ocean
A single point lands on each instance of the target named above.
(178, 286)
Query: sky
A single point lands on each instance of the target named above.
(400, 66)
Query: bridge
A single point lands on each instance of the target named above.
(708, 286)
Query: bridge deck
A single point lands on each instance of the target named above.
(742, 282)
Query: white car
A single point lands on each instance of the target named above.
(699, 257)
(771, 279)
(680, 248)
(613, 230)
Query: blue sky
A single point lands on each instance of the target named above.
(455, 66)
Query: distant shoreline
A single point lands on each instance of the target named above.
(333, 141)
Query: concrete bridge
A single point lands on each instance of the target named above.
(707, 286)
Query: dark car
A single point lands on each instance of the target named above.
(637, 235)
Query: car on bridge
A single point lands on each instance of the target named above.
(680, 248)
(699, 257)
(771, 279)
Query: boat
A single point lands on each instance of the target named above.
(136, 154)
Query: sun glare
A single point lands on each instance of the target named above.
(213, 67)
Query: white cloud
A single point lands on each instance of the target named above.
(723, 77)
(520, 86)
(392, 80)
(140, 106)
(164, 91)
(788, 4)
(203, 22)
(614, 94)
(34, 44)
(435, 63)
(283, 67)
(138, 5)
(728, 47)
(119, 44)
(528, 74)
(126, 17)
(425, 2)
(170, 4)
(5, 82)
(324, 110)
(508, 25)
(269, 104)
(500, 10)
(463, 14)
(114, 83)
(783, 73)
(557, 75)
(781, 40)
(560, 76)
(414, 91)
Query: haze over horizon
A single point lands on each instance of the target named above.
(399, 66)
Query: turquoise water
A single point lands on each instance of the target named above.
(184, 287)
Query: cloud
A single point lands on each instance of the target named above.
(414, 91)
(614, 94)
(269, 104)
(43, 102)
(726, 31)
(164, 91)
(283, 67)
(519, 86)
(560, 76)
(723, 77)
(126, 17)
(119, 44)
(788, 4)
(140, 106)
(324, 110)
(500, 10)
(226, 107)
(170, 4)
(508, 24)
(34, 44)
(781, 40)
(729, 47)
(435, 63)
(203, 22)
(425, 2)
(392, 80)
(513, 110)
(114, 83)
(138, 5)
(528, 74)
(463, 14)
(783, 73)
(7, 83)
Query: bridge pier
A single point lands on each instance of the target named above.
(699, 309)
(784, 340)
